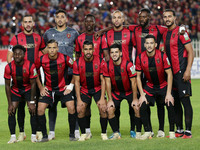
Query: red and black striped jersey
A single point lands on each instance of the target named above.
(140, 34)
(125, 38)
(56, 71)
(33, 44)
(20, 75)
(120, 76)
(98, 44)
(89, 73)
(175, 50)
(153, 68)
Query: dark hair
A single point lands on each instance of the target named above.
(61, 11)
(90, 15)
(170, 10)
(27, 16)
(145, 10)
(19, 47)
(52, 41)
(149, 36)
(86, 42)
(115, 45)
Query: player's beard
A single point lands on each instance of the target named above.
(150, 51)
(172, 23)
(117, 27)
(28, 31)
(117, 59)
(145, 24)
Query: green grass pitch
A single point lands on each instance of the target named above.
(62, 140)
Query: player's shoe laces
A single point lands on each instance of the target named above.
(145, 136)
(77, 134)
(133, 134)
(72, 137)
(21, 137)
(115, 136)
(172, 135)
(83, 137)
(51, 135)
(187, 135)
(138, 135)
(88, 135)
(110, 137)
(160, 134)
(13, 139)
(104, 136)
(33, 138)
(39, 135)
(179, 134)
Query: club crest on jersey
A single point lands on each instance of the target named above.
(122, 70)
(152, 30)
(36, 39)
(60, 65)
(125, 35)
(110, 36)
(96, 66)
(144, 62)
(158, 60)
(24, 70)
(173, 35)
(21, 40)
(68, 35)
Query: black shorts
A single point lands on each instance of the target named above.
(20, 96)
(59, 96)
(117, 99)
(155, 94)
(183, 88)
(87, 98)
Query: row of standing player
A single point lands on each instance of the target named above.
(60, 19)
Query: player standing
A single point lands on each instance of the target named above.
(23, 74)
(180, 53)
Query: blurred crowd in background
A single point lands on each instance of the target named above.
(12, 12)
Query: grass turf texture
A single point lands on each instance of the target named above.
(62, 138)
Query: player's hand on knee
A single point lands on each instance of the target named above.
(169, 99)
(135, 104)
(44, 91)
(32, 109)
(110, 104)
(80, 106)
(142, 99)
(11, 110)
(102, 105)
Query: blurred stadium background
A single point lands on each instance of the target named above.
(12, 12)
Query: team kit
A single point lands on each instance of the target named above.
(122, 62)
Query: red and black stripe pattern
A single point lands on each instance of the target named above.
(153, 68)
(33, 44)
(89, 73)
(55, 71)
(20, 75)
(175, 50)
(120, 76)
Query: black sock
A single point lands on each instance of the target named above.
(171, 117)
(132, 118)
(161, 115)
(82, 124)
(21, 115)
(138, 124)
(113, 124)
(53, 116)
(178, 112)
(88, 118)
(149, 117)
(33, 121)
(117, 115)
(104, 123)
(12, 123)
(72, 122)
(188, 112)
(145, 117)
(42, 121)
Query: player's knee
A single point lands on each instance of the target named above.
(40, 110)
(111, 112)
(137, 113)
(71, 109)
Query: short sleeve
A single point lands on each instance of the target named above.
(162, 29)
(105, 70)
(75, 69)
(166, 62)
(104, 43)
(42, 45)
(138, 64)
(77, 47)
(33, 72)
(131, 70)
(7, 72)
(185, 39)
(131, 27)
